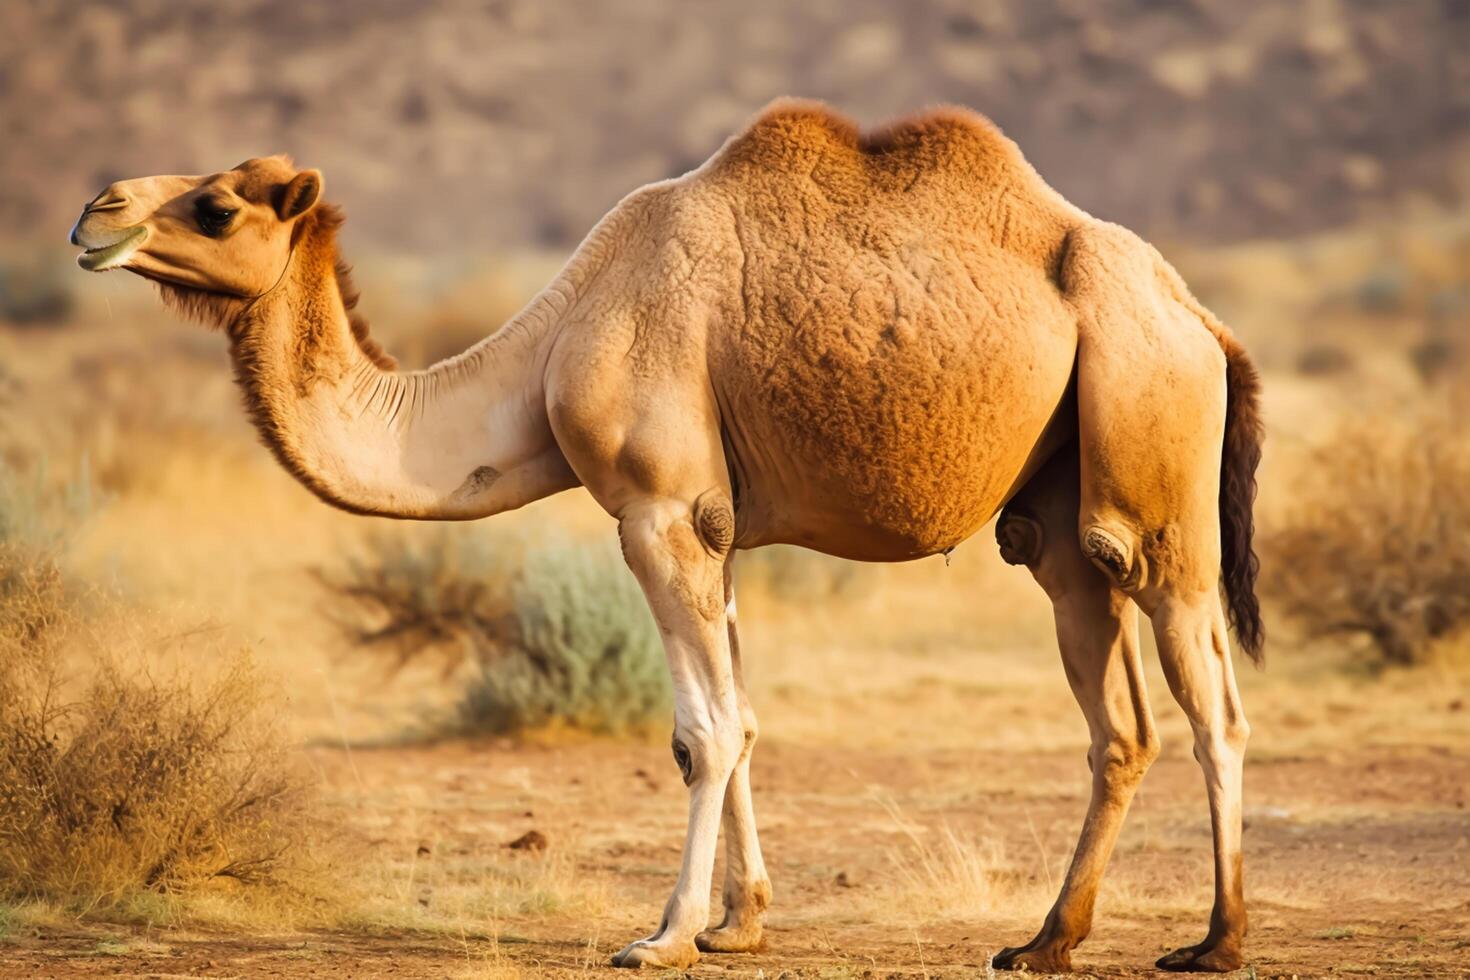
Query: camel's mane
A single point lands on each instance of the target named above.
(326, 220)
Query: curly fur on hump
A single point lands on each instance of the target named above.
(317, 230)
(791, 114)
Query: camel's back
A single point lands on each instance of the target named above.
(799, 166)
(897, 342)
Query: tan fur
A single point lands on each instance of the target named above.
(863, 343)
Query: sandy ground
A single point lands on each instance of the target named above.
(1358, 862)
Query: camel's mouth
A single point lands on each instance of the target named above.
(113, 254)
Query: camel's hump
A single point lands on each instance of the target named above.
(789, 129)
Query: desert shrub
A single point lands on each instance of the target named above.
(36, 521)
(442, 593)
(39, 512)
(1384, 289)
(556, 634)
(1377, 543)
(1437, 357)
(1323, 359)
(33, 599)
(137, 785)
(580, 649)
(120, 784)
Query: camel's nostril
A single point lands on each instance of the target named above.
(108, 200)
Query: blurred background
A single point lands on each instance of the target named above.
(430, 695)
(453, 126)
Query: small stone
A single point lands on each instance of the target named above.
(844, 880)
(531, 840)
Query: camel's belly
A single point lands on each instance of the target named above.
(887, 424)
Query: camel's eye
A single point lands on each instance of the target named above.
(213, 219)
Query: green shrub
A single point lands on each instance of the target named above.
(557, 633)
(581, 649)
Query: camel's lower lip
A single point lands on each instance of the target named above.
(115, 254)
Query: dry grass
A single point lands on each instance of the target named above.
(139, 785)
(941, 873)
(1378, 544)
(471, 895)
(120, 790)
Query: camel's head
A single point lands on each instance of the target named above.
(228, 233)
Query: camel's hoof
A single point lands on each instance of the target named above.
(1042, 959)
(665, 953)
(731, 939)
(1220, 958)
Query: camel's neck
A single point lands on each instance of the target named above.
(466, 438)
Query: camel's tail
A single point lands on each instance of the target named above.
(1242, 452)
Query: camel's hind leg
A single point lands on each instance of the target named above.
(1151, 396)
(1097, 630)
(1196, 659)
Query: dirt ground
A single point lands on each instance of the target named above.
(1358, 862)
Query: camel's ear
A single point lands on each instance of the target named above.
(299, 196)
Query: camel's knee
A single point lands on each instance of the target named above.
(749, 731)
(667, 555)
(1222, 743)
(708, 752)
(1235, 732)
(1125, 758)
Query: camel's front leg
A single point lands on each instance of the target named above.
(747, 889)
(683, 580)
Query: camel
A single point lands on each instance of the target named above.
(867, 344)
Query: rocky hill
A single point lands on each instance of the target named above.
(449, 124)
